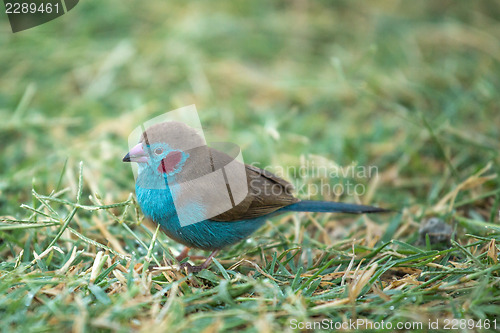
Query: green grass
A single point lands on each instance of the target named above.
(408, 87)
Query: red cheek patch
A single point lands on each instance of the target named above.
(169, 162)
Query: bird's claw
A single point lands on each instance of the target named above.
(190, 268)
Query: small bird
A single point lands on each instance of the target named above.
(171, 155)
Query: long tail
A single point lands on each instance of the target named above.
(331, 207)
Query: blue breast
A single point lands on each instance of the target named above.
(158, 205)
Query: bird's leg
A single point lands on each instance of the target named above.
(209, 259)
(183, 254)
(193, 269)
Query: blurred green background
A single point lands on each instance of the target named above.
(347, 80)
(411, 87)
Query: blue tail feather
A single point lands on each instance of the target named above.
(331, 207)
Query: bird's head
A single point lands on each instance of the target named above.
(163, 148)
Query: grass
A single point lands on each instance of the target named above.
(408, 87)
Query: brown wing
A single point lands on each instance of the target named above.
(266, 194)
(266, 191)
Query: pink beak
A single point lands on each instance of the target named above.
(136, 154)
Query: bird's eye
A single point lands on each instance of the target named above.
(158, 151)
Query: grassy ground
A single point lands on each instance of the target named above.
(408, 87)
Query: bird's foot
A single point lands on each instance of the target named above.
(191, 268)
(195, 269)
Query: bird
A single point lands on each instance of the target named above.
(171, 156)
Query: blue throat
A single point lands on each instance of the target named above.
(158, 205)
